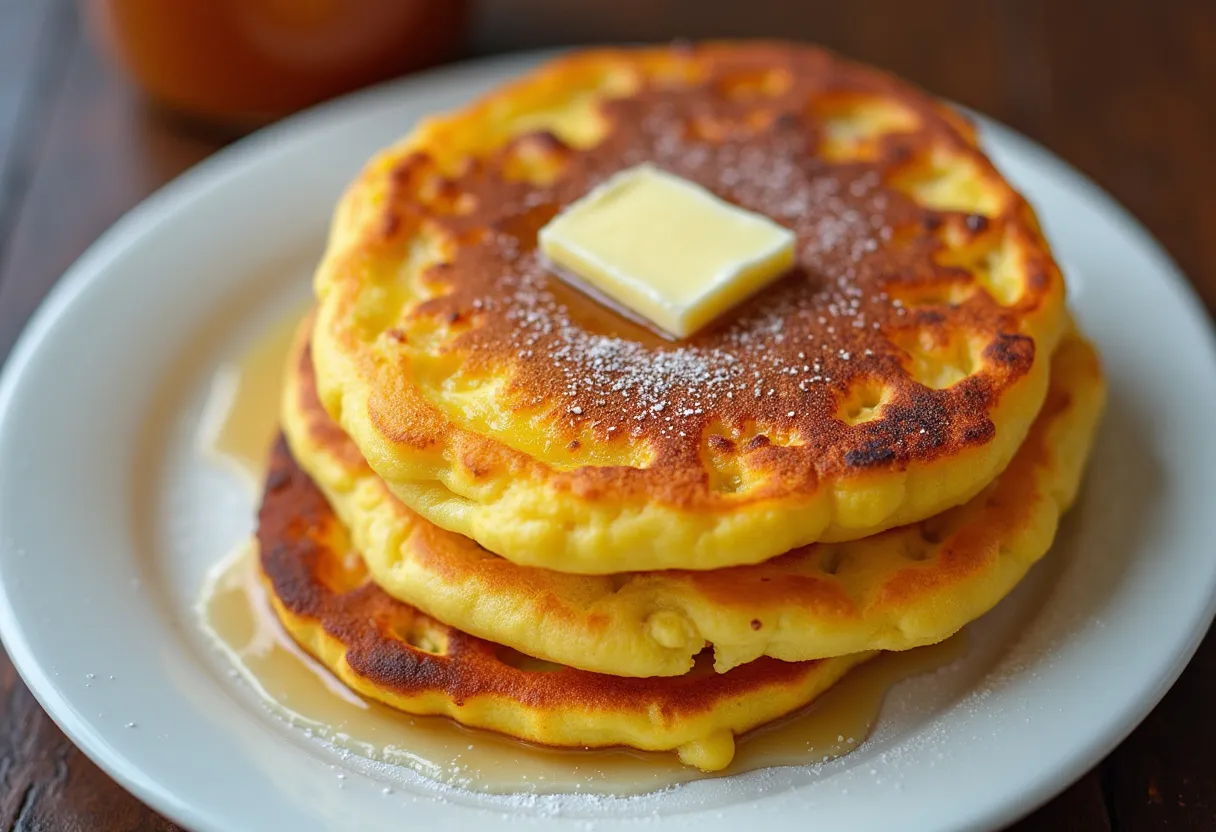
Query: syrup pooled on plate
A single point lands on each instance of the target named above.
(241, 416)
(237, 614)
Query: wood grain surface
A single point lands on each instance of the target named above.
(1126, 91)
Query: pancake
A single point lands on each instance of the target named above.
(390, 652)
(890, 376)
(905, 588)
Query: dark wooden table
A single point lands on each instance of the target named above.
(1126, 91)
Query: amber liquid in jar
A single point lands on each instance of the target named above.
(241, 63)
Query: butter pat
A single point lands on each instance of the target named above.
(666, 248)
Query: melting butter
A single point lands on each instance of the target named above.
(667, 249)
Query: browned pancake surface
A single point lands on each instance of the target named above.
(390, 651)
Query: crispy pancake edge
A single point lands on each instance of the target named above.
(390, 652)
(905, 588)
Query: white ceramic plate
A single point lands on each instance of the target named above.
(110, 516)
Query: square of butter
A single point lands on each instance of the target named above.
(667, 249)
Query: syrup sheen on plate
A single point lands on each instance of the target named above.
(240, 422)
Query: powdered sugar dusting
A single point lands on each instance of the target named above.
(778, 363)
(782, 355)
(636, 383)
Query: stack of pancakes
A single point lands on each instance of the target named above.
(498, 500)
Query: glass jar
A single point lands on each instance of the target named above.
(242, 63)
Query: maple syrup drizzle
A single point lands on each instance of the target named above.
(241, 417)
(236, 614)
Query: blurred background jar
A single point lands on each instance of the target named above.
(238, 64)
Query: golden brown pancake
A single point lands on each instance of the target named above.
(891, 376)
(904, 588)
(389, 651)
